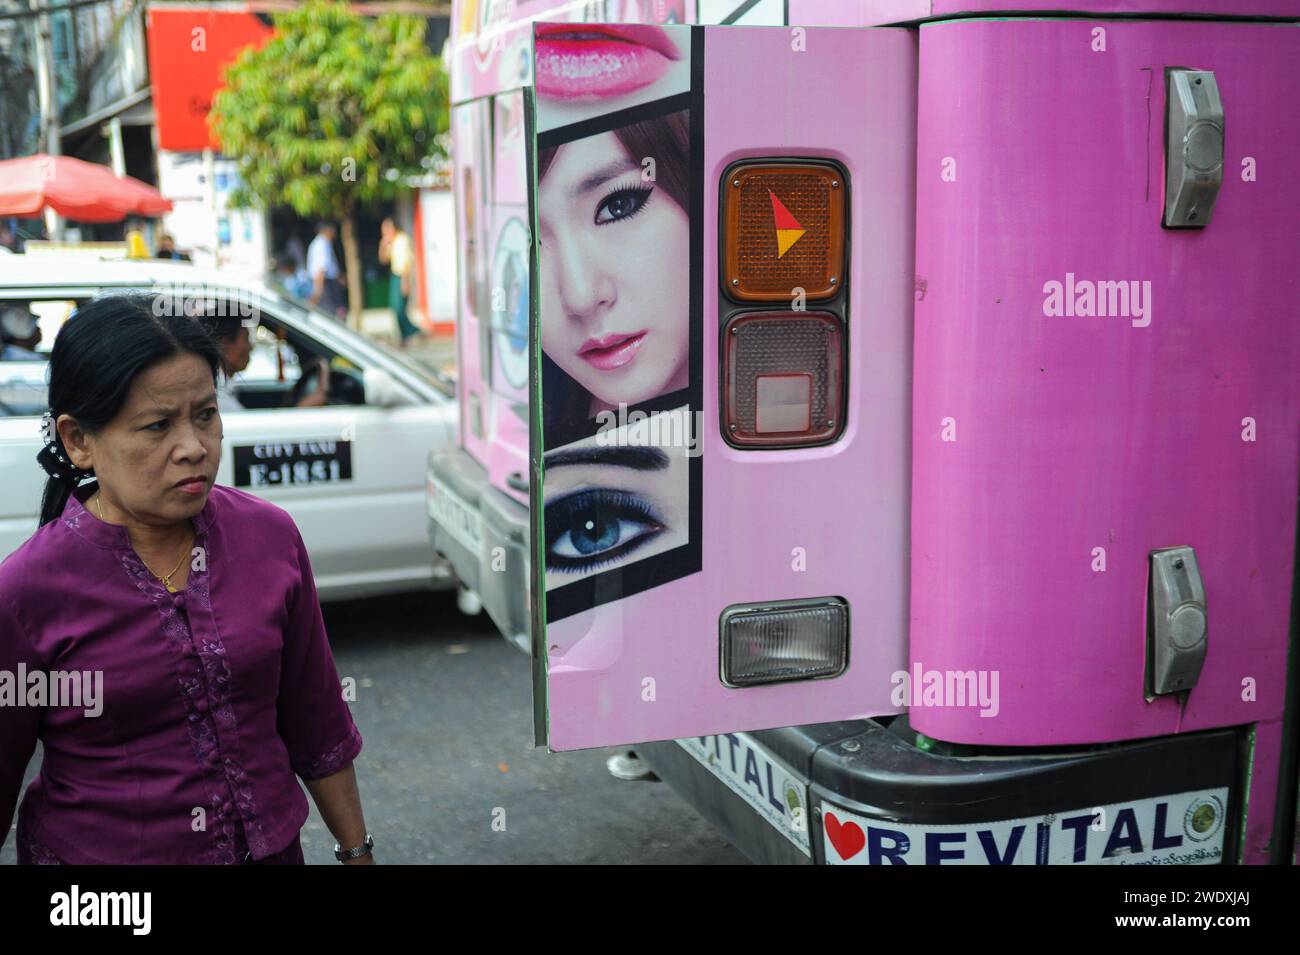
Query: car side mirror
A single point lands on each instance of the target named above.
(382, 391)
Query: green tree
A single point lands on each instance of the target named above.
(332, 115)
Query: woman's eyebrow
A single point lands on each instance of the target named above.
(605, 173)
(157, 411)
(637, 458)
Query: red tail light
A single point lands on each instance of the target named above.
(783, 379)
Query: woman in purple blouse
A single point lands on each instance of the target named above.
(161, 635)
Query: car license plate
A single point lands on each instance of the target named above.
(1182, 829)
(285, 463)
(457, 518)
(772, 790)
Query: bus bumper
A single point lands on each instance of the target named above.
(483, 533)
(867, 789)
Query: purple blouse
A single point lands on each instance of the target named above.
(212, 698)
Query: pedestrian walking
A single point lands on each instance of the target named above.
(180, 619)
(395, 251)
(323, 267)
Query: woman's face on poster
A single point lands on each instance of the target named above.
(615, 269)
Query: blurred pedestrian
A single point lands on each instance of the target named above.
(395, 251)
(136, 247)
(296, 251)
(195, 680)
(293, 279)
(323, 267)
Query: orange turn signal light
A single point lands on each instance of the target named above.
(783, 231)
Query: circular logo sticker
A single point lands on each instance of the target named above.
(1203, 819)
(794, 804)
(510, 303)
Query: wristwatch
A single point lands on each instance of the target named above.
(346, 855)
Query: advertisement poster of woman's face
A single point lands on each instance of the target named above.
(614, 291)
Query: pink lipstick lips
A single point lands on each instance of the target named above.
(592, 61)
(611, 351)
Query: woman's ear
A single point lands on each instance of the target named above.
(76, 441)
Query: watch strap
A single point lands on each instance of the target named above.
(356, 852)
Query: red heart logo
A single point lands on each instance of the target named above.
(847, 838)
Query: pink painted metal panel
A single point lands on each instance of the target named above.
(472, 185)
(491, 61)
(846, 504)
(1262, 796)
(859, 13)
(1123, 433)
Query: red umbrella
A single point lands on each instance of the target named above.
(77, 190)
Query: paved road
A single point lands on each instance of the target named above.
(444, 706)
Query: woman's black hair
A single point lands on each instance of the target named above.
(224, 328)
(96, 358)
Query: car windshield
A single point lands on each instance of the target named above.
(438, 378)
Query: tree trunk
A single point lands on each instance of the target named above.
(352, 262)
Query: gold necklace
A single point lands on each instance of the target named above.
(165, 578)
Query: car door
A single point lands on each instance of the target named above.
(23, 399)
(722, 314)
(350, 475)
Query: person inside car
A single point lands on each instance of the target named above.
(236, 347)
(167, 249)
(20, 333)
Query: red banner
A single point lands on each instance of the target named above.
(188, 51)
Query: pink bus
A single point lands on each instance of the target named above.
(884, 416)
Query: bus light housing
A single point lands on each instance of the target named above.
(784, 641)
(783, 232)
(783, 379)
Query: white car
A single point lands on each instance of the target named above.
(351, 472)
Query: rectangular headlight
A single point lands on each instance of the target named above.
(783, 641)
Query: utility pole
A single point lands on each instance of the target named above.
(47, 95)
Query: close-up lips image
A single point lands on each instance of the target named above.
(588, 61)
(611, 351)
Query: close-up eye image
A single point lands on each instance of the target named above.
(609, 504)
(615, 268)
